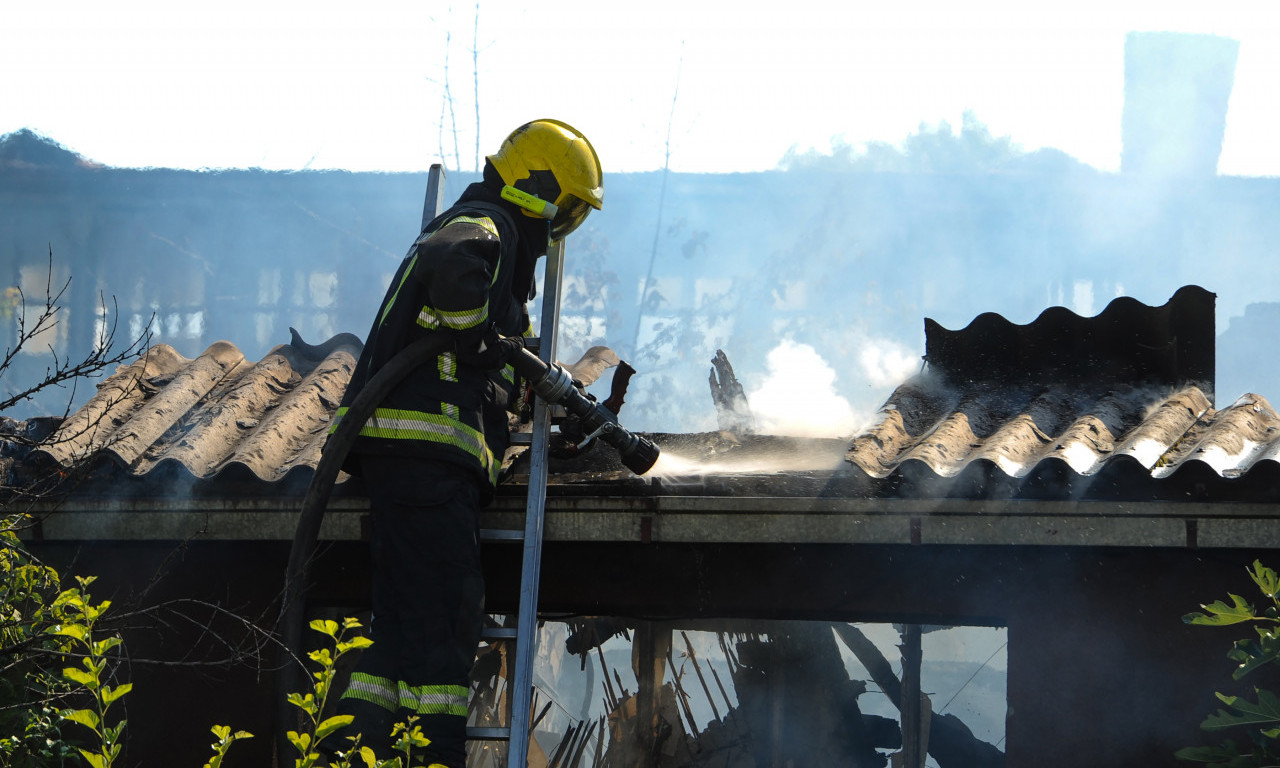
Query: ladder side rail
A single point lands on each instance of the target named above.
(433, 203)
(531, 567)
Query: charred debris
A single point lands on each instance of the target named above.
(786, 700)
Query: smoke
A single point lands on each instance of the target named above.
(798, 395)
(886, 363)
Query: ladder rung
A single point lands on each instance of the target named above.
(476, 733)
(522, 438)
(499, 633)
(501, 534)
(533, 344)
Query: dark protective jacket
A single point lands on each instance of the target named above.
(471, 268)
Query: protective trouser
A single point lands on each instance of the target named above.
(428, 603)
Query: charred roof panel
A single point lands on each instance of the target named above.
(214, 413)
(1115, 406)
(1127, 343)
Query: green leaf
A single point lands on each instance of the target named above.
(1266, 710)
(306, 703)
(1216, 755)
(110, 694)
(329, 628)
(78, 631)
(301, 741)
(1251, 654)
(332, 724)
(1223, 614)
(86, 717)
(353, 644)
(100, 647)
(221, 731)
(1266, 579)
(80, 676)
(94, 761)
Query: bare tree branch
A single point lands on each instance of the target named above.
(65, 371)
(475, 79)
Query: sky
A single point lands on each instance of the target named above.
(719, 86)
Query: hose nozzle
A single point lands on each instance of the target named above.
(552, 383)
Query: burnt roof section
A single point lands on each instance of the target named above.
(216, 424)
(215, 415)
(1127, 343)
(1119, 406)
(1063, 442)
(220, 425)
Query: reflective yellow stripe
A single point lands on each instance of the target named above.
(419, 699)
(483, 221)
(447, 363)
(373, 689)
(396, 424)
(509, 373)
(407, 271)
(430, 317)
(435, 699)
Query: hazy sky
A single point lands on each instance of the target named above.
(286, 85)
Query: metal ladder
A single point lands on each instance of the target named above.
(524, 634)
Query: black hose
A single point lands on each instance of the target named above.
(289, 675)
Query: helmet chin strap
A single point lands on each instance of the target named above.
(535, 205)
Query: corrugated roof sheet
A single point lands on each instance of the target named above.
(217, 413)
(219, 416)
(1057, 419)
(1025, 431)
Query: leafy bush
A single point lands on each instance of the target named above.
(1256, 722)
(52, 654)
(33, 691)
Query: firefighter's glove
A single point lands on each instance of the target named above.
(493, 351)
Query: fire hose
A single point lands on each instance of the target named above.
(549, 381)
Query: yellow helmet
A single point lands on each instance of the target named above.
(554, 163)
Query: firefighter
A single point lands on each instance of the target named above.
(430, 454)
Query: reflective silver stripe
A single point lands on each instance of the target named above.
(435, 699)
(427, 319)
(418, 424)
(395, 424)
(375, 690)
(430, 317)
(448, 365)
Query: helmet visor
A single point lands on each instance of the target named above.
(568, 217)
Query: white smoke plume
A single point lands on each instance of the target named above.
(798, 396)
(887, 363)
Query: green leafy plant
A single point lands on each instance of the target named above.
(75, 616)
(32, 688)
(1260, 718)
(225, 739)
(407, 735)
(51, 650)
(313, 704)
